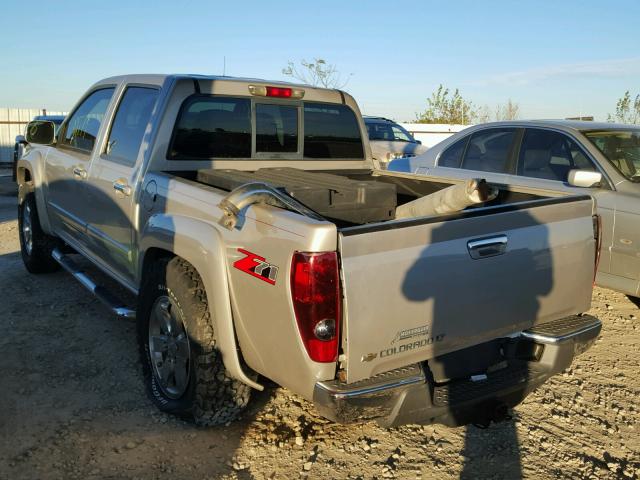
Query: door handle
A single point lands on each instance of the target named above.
(80, 173)
(122, 187)
(487, 247)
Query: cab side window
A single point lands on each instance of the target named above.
(550, 155)
(489, 150)
(130, 123)
(82, 128)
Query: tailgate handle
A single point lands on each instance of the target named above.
(487, 247)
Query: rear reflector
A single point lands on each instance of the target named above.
(277, 92)
(315, 291)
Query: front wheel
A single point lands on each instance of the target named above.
(183, 368)
(35, 245)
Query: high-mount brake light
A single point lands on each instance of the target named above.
(315, 291)
(276, 92)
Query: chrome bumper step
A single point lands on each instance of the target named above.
(564, 329)
(105, 296)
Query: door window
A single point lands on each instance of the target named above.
(83, 125)
(550, 155)
(130, 123)
(400, 135)
(489, 150)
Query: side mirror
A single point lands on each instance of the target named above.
(419, 142)
(584, 178)
(21, 139)
(41, 132)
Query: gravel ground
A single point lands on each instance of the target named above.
(72, 405)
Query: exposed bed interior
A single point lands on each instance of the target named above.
(406, 189)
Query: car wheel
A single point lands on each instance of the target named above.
(182, 365)
(35, 245)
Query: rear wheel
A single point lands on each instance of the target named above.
(182, 365)
(35, 245)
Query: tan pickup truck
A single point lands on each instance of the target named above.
(249, 220)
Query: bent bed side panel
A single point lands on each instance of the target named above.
(415, 293)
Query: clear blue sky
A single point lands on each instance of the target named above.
(555, 58)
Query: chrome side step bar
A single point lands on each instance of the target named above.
(105, 296)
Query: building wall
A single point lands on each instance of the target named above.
(432, 133)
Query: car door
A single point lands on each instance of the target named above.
(545, 158)
(111, 198)
(67, 165)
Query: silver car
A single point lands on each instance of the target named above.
(572, 156)
(388, 140)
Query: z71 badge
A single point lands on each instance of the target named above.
(256, 266)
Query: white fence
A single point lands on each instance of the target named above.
(12, 123)
(432, 133)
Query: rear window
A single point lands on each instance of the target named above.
(213, 127)
(331, 131)
(221, 127)
(276, 128)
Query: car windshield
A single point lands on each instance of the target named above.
(390, 132)
(621, 148)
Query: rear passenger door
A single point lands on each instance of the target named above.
(487, 153)
(110, 196)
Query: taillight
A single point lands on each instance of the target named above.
(315, 291)
(597, 234)
(277, 92)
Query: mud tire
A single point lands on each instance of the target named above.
(37, 258)
(212, 397)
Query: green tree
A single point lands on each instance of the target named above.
(445, 108)
(318, 73)
(627, 110)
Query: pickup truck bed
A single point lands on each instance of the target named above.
(410, 266)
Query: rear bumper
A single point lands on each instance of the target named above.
(409, 395)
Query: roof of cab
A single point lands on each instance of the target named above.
(159, 79)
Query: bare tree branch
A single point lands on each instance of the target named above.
(508, 111)
(318, 73)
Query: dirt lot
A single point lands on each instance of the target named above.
(72, 405)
